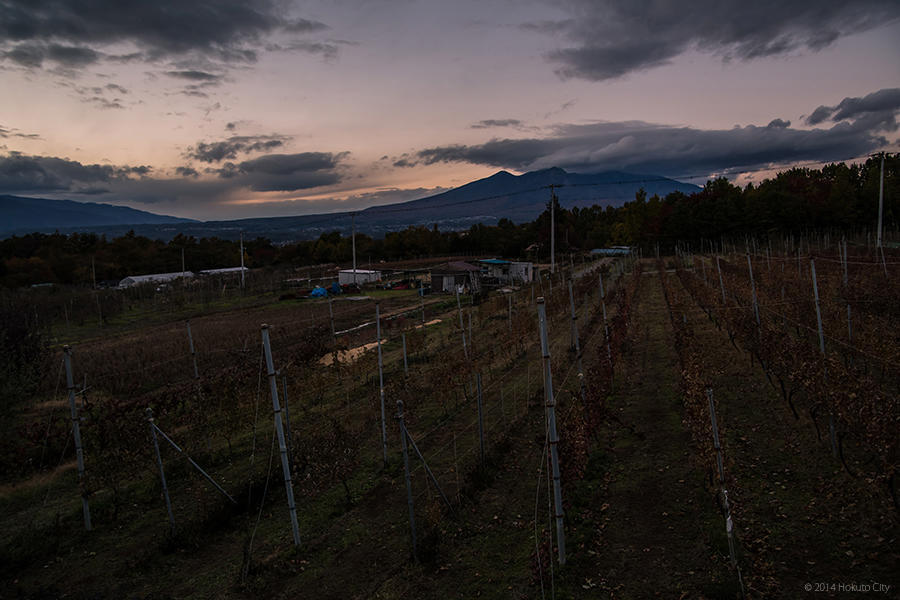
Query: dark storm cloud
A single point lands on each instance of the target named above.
(58, 177)
(212, 152)
(73, 33)
(186, 172)
(6, 132)
(34, 55)
(194, 76)
(104, 103)
(606, 39)
(662, 149)
(878, 109)
(72, 56)
(286, 172)
(20, 173)
(305, 26)
(103, 97)
(487, 123)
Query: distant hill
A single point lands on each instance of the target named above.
(25, 215)
(520, 198)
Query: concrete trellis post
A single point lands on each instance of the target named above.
(577, 344)
(721, 282)
(605, 324)
(193, 353)
(729, 523)
(279, 431)
(381, 380)
(831, 430)
(405, 363)
(331, 315)
(76, 434)
(753, 293)
(462, 327)
(162, 473)
(287, 417)
(553, 437)
(715, 432)
(197, 382)
(422, 301)
(846, 288)
(480, 419)
(409, 495)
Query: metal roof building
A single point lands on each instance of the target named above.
(224, 271)
(361, 276)
(133, 280)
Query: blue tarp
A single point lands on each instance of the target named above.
(335, 288)
(319, 292)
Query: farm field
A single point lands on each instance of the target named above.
(635, 370)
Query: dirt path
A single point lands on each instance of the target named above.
(659, 526)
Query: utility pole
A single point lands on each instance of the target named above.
(880, 202)
(182, 261)
(242, 260)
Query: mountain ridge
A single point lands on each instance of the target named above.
(519, 198)
(24, 214)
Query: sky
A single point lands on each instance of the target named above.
(223, 109)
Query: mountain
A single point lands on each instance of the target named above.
(520, 198)
(24, 215)
(524, 197)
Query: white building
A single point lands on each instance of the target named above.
(505, 272)
(347, 277)
(134, 280)
(225, 271)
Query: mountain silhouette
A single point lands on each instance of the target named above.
(519, 198)
(24, 215)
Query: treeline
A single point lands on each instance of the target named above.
(835, 197)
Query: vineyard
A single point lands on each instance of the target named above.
(718, 424)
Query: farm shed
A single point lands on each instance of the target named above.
(503, 272)
(456, 275)
(346, 276)
(133, 280)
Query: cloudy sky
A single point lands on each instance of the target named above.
(218, 109)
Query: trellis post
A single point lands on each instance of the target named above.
(279, 431)
(162, 473)
(553, 437)
(76, 434)
(381, 381)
